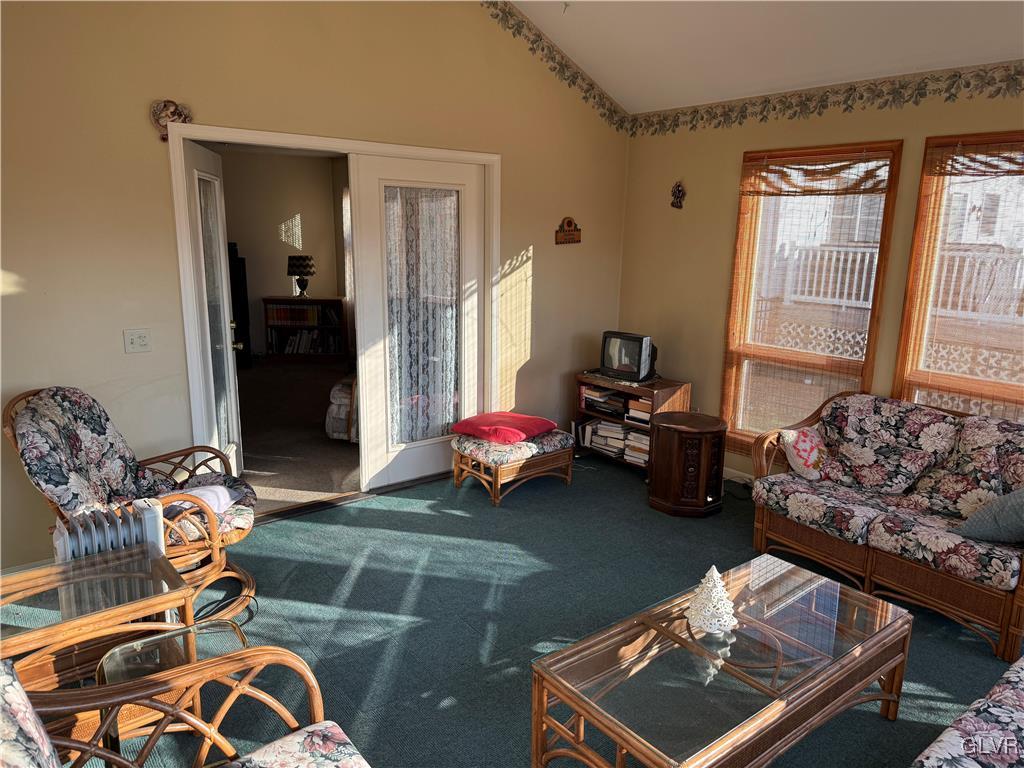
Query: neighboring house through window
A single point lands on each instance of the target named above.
(962, 340)
(810, 253)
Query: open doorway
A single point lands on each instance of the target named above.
(416, 240)
(287, 223)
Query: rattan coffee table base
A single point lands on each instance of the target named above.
(495, 477)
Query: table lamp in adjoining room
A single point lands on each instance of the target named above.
(301, 268)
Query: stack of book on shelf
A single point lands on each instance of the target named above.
(637, 449)
(639, 410)
(603, 401)
(584, 430)
(287, 314)
(609, 439)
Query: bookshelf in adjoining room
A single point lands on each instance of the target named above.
(300, 328)
(613, 417)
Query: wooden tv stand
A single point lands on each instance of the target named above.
(664, 394)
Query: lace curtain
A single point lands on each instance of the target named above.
(422, 265)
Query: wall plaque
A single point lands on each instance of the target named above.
(568, 232)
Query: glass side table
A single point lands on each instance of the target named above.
(167, 650)
(47, 607)
(139, 658)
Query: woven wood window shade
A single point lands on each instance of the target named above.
(811, 245)
(962, 339)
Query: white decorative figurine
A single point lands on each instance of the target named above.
(711, 609)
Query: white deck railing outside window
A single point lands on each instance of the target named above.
(975, 283)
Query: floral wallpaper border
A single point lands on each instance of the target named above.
(1002, 80)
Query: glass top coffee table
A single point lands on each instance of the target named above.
(805, 649)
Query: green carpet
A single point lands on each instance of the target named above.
(421, 610)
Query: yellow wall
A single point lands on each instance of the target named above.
(87, 217)
(677, 265)
(262, 192)
(88, 243)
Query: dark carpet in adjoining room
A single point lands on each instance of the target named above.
(421, 610)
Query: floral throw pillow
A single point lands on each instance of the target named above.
(1005, 437)
(966, 483)
(805, 451)
(882, 444)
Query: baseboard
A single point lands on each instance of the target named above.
(737, 477)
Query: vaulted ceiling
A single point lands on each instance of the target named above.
(659, 55)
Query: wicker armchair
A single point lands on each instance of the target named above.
(43, 728)
(77, 459)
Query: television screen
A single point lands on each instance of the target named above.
(623, 355)
(628, 356)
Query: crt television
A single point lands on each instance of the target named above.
(627, 356)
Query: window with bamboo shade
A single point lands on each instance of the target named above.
(962, 339)
(811, 245)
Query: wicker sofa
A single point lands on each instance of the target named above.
(990, 734)
(902, 543)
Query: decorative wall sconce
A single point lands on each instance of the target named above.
(166, 111)
(678, 194)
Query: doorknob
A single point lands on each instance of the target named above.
(232, 325)
(238, 345)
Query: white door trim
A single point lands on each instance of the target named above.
(178, 133)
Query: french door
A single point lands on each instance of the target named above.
(419, 267)
(207, 230)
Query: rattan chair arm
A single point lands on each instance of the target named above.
(62, 703)
(176, 461)
(173, 524)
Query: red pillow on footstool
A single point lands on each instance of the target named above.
(503, 427)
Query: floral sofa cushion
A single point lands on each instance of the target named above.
(835, 509)
(498, 453)
(321, 745)
(932, 539)
(990, 734)
(884, 445)
(24, 742)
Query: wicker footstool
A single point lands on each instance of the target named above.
(496, 465)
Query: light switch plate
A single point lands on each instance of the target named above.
(136, 340)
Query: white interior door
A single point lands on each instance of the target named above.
(419, 266)
(220, 421)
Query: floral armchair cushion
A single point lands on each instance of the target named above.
(24, 742)
(988, 735)
(239, 516)
(72, 452)
(882, 444)
(321, 745)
